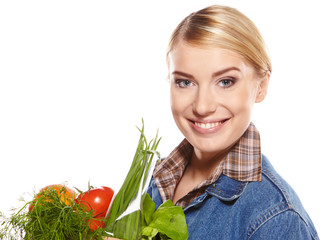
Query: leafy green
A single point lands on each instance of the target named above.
(129, 227)
(148, 209)
(167, 222)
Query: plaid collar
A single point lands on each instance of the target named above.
(242, 163)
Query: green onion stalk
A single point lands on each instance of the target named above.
(120, 222)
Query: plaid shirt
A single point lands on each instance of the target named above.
(242, 163)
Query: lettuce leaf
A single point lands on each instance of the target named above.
(167, 222)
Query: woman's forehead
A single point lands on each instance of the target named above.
(193, 56)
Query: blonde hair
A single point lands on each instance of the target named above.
(224, 27)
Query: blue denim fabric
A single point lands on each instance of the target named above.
(230, 209)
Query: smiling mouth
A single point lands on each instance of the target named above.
(209, 125)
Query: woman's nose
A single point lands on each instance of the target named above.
(204, 102)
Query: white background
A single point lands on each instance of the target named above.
(76, 77)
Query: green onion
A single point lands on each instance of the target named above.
(129, 226)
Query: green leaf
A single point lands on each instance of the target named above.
(167, 222)
(170, 220)
(149, 232)
(148, 209)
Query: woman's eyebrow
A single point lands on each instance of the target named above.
(218, 73)
(183, 74)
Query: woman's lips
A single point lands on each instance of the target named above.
(208, 126)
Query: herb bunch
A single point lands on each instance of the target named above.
(50, 219)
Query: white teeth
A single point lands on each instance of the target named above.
(207, 125)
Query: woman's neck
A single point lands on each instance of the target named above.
(202, 165)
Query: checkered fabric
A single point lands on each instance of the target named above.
(242, 163)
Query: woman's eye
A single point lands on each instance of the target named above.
(226, 83)
(183, 83)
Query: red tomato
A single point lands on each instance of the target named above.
(97, 200)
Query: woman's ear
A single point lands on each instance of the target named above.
(263, 87)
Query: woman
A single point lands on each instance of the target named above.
(218, 68)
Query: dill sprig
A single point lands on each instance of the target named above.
(51, 218)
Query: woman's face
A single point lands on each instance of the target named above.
(212, 94)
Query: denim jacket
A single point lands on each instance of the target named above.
(231, 209)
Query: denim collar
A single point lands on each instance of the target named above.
(226, 188)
